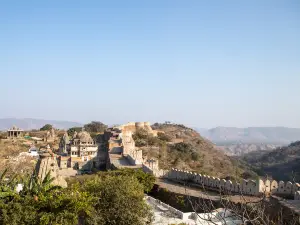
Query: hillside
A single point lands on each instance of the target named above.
(251, 135)
(29, 124)
(241, 149)
(283, 163)
(195, 153)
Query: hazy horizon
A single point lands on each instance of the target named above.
(152, 122)
(202, 64)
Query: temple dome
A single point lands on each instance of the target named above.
(84, 136)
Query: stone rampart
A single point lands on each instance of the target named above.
(246, 187)
(151, 166)
(135, 157)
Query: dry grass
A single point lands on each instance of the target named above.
(210, 161)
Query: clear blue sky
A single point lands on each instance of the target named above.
(201, 63)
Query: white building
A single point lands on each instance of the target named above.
(82, 152)
(83, 146)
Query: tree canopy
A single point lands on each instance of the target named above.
(72, 130)
(46, 127)
(114, 197)
(95, 127)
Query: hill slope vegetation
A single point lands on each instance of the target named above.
(282, 163)
(183, 148)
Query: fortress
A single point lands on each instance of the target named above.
(133, 126)
(119, 151)
(122, 151)
(121, 143)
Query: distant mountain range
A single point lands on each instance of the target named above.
(251, 135)
(241, 149)
(29, 124)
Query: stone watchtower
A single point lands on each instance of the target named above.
(48, 163)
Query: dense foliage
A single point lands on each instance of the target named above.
(147, 180)
(72, 130)
(110, 198)
(95, 127)
(46, 127)
(143, 138)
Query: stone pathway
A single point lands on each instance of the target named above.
(198, 192)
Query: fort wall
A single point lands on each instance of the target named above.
(247, 187)
(151, 166)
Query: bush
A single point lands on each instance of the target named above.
(143, 138)
(183, 147)
(163, 137)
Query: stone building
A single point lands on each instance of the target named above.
(15, 132)
(134, 126)
(121, 148)
(79, 153)
(83, 146)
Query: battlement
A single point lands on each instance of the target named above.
(133, 126)
(247, 187)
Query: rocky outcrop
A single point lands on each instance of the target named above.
(48, 163)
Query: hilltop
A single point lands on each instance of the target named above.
(30, 124)
(283, 163)
(251, 135)
(187, 150)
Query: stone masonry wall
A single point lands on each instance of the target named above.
(247, 187)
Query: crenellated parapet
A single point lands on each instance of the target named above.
(246, 187)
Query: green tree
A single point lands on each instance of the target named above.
(107, 198)
(72, 130)
(46, 127)
(146, 179)
(35, 186)
(143, 138)
(7, 185)
(95, 127)
(64, 206)
(120, 201)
